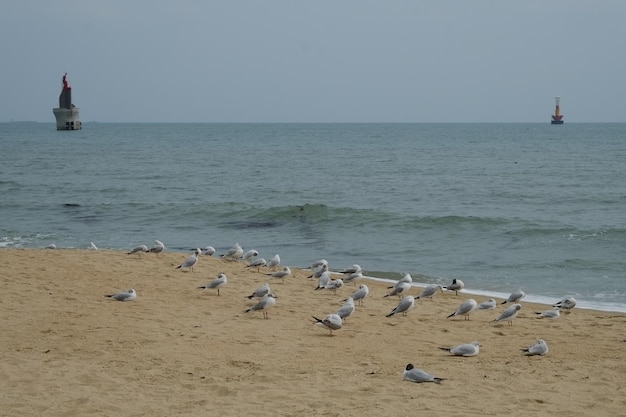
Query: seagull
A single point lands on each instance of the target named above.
(208, 251)
(318, 264)
(191, 261)
(129, 295)
(515, 297)
(404, 306)
(465, 308)
(353, 269)
(487, 305)
(456, 286)
(268, 301)
(465, 349)
(138, 250)
(281, 274)
(509, 314)
(51, 246)
(413, 374)
(257, 263)
(319, 271)
(555, 313)
(250, 254)
(233, 253)
(566, 303)
(353, 277)
(428, 291)
(346, 309)
(334, 285)
(360, 294)
(331, 322)
(274, 262)
(217, 283)
(538, 348)
(323, 280)
(260, 292)
(158, 247)
(92, 246)
(399, 289)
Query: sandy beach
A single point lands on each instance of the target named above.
(67, 350)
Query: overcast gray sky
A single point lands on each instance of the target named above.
(315, 61)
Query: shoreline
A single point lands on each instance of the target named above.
(68, 350)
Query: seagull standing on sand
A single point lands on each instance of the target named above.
(129, 295)
(456, 286)
(158, 247)
(250, 254)
(234, 253)
(404, 306)
(353, 277)
(428, 292)
(465, 349)
(353, 269)
(540, 347)
(138, 250)
(268, 301)
(465, 308)
(399, 289)
(566, 304)
(323, 280)
(360, 294)
(92, 246)
(487, 305)
(515, 297)
(317, 273)
(334, 285)
(509, 314)
(274, 262)
(217, 283)
(191, 261)
(346, 309)
(208, 251)
(257, 263)
(281, 274)
(331, 322)
(413, 374)
(260, 292)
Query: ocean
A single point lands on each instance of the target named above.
(502, 207)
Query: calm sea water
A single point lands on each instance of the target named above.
(500, 206)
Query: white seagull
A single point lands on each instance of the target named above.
(353, 269)
(274, 262)
(346, 309)
(334, 285)
(540, 347)
(509, 314)
(268, 301)
(487, 305)
(399, 289)
(465, 308)
(260, 292)
(281, 274)
(158, 247)
(360, 294)
(323, 280)
(465, 349)
(428, 292)
(566, 303)
(456, 286)
(129, 295)
(515, 297)
(250, 254)
(404, 306)
(208, 251)
(353, 277)
(413, 374)
(257, 263)
(217, 283)
(234, 253)
(191, 261)
(331, 322)
(138, 250)
(92, 246)
(549, 314)
(318, 271)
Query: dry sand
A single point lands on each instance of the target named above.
(69, 351)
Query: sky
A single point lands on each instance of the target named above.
(315, 61)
